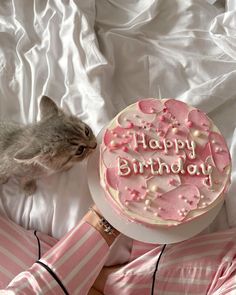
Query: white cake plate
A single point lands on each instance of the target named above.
(135, 230)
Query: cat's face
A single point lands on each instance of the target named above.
(67, 140)
(58, 140)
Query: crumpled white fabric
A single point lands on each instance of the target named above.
(96, 57)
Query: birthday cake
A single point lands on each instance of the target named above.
(163, 163)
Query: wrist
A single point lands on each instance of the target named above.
(95, 219)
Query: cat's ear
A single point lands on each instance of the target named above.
(48, 107)
(28, 153)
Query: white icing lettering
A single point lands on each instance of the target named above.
(167, 144)
(151, 163)
(206, 170)
(158, 166)
(162, 166)
(154, 144)
(179, 145)
(191, 146)
(135, 167)
(177, 167)
(123, 167)
(141, 166)
(139, 140)
(192, 169)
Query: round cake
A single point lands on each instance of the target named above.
(163, 163)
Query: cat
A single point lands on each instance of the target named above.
(53, 144)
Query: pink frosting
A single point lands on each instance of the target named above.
(130, 189)
(204, 151)
(164, 183)
(182, 132)
(178, 109)
(199, 119)
(116, 135)
(164, 159)
(150, 106)
(219, 151)
(177, 203)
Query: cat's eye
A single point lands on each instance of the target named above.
(80, 150)
(87, 131)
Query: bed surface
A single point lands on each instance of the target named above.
(93, 58)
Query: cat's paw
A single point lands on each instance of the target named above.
(29, 187)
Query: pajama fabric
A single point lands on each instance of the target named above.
(205, 264)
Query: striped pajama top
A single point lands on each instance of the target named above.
(204, 264)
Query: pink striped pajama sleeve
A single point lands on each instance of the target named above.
(70, 267)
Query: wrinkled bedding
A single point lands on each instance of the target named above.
(96, 57)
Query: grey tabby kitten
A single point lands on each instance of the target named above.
(53, 144)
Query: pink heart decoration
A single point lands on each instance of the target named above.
(177, 203)
(116, 135)
(150, 106)
(200, 120)
(132, 188)
(178, 109)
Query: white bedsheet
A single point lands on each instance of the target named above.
(96, 57)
